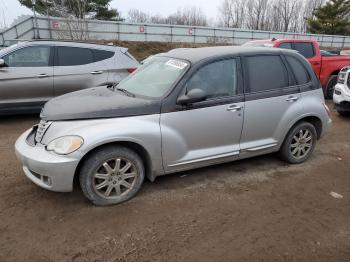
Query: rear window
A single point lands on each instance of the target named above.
(300, 73)
(305, 49)
(266, 73)
(71, 56)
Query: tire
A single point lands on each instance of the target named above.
(330, 86)
(106, 179)
(343, 113)
(290, 149)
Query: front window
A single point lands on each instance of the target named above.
(34, 56)
(154, 78)
(217, 79)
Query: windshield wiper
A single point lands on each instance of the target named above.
(114, 87)
(128, 93)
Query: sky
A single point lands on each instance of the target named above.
(11, 9)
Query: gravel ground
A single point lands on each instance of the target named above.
(258, 209)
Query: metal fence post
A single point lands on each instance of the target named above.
(171, 34)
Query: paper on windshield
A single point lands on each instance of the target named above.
(176, 63)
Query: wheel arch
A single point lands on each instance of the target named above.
(314, 120)
(136, 147)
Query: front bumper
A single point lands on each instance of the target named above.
(341, 98)
(46, 169)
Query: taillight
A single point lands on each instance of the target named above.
(327, 109)
(130, 70)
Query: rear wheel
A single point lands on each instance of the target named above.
(330, 86)
(299, 143)
(111, 175)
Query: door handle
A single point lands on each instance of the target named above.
(292, 98)
(316, 63)
(42, 75)
(96, 72)
(234, 108)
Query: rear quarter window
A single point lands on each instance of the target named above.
(299, 70)
(100, 55)
(266, 72)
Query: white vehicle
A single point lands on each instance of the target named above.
(341, 96)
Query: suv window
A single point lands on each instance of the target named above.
(71, 56)
(285, 45)
(266, 73)
(305, 49)
(100, 55)
(300, 73)
(34, 56)
(218, 79)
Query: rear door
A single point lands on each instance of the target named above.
(269, 95)
(209, 131)
(27, 78)
(77, 68)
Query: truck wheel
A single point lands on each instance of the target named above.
(330, 86)
(299, 143)
(342, 113)
(111, 175)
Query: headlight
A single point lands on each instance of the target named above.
(65, 145)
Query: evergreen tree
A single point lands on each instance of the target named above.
(97, 9)
(331, 19)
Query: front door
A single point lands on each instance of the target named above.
(27, 78)
(206, 132)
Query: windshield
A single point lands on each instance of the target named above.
(259, 44)
(155, 77)
(5, 50)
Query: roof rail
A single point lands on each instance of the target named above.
(89, 41)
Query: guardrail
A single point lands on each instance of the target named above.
(60, 28)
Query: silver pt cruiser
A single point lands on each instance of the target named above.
(184, 109)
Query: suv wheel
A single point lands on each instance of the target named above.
(299, 143)
(111, 175)
(330, 86)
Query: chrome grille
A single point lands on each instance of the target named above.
(42, 127)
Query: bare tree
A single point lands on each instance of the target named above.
(188, 16)
(137, 16)
(193, 16)
(256, 14)
(276, 15)
(232, 13)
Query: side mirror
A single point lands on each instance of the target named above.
(193, 96)
(2, 62)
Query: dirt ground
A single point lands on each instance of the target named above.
(258, 209)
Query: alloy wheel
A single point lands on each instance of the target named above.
(301, 143)
(114, 178)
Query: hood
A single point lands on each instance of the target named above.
(98, 102)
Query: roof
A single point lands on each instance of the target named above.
(195, 55)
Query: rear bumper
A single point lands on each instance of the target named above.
(46, 169)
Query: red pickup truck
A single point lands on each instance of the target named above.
(325, 64)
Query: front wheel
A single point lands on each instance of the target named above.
(111, 175)
(299, 143)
